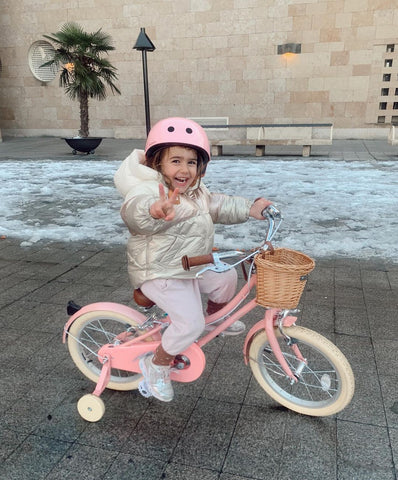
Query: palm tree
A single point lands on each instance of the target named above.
(84, 73)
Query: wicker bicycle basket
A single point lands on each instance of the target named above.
(281, 277)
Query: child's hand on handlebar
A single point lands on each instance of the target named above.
(258, 206)
(164, 207)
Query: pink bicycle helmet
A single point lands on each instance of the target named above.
(178, 131)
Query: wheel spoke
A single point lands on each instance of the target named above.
(107, 334)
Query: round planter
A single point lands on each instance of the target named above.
(85, 145)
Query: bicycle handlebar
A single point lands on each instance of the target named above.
(188, 262)
(271, 212)
(274, 217)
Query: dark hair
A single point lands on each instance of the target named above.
(154, 160)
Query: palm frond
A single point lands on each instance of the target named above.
(89, 74)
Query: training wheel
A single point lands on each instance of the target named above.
(91, 407)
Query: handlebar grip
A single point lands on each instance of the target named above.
(272, 212)
(188, 262)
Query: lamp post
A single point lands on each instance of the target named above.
(144, 44)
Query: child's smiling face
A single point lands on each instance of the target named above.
(179, 166)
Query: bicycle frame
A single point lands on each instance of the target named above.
(126, 355)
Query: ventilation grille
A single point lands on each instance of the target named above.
(39, 53)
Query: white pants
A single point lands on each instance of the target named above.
(181, 299)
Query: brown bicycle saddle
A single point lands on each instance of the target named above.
(141, 299)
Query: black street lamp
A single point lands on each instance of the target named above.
(144, 44)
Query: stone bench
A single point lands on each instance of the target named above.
(305, 135)
(392, 139)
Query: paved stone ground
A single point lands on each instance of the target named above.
(222, 426)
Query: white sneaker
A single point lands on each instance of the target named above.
(157, 378)
(236, 328)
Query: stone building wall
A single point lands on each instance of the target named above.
(213, 58)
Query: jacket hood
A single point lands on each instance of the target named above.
(133, 172)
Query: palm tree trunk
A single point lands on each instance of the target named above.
(83, 132)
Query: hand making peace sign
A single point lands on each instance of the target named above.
(164, 207)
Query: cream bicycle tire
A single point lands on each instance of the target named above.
(83, 331)
(332, 398)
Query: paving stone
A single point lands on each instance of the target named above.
(82, 462)
(386, 356)
(358, 460)
(229, 378)
(383, 321)
(134, 467)
(393, 433)
(34, 459)
(257, 444)
(9, 442)
(175, 471)
(160, 428)
(352, 321)
(206, 438)
(317, 317)
(389, 389)
(308, 448)
(380, 298)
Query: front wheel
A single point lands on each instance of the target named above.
(325, 383)
(89, 332)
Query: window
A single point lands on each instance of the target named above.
(394, 120)
(39, 53)
(386, 102)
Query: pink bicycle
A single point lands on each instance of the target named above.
(297, 367)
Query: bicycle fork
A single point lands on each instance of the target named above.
(281, 318)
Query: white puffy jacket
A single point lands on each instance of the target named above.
(156, 246)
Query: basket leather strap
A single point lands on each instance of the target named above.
(270, 247)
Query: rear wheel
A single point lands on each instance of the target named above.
(325, 383)
(89, 332)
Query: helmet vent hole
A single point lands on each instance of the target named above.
(171, 129)
(189, 130)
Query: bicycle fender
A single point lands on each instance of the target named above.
(288, 322)
(107, 306)
(249, 338)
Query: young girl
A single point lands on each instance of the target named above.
(170, 213)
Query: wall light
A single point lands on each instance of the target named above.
(289, 48)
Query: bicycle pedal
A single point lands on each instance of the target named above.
(144, 390)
